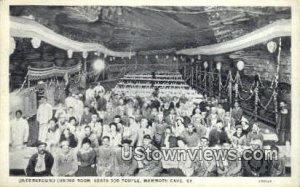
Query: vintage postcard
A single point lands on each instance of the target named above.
(107, 93)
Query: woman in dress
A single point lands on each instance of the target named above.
(53, 134)
(68, 136)
(86, 158)
(115, 136)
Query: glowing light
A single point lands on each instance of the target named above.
(98, 65)
(70, 53)
(219, 65)
(205, 64)
(36, 43)
(271, 46)
(84, 54)
(240, 65)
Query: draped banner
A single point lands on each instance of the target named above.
(26, 28)
(279, 28)
(44, 73)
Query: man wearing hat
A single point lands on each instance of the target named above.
(150, 168)
(40, 164)
(105, 156)
(237, 112)
(190, 136)
(255, 167)
(255, 134)
(128, 166)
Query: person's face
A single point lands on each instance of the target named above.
(154, 111)
(87, 131)
(180, 144)
(197, 121)
(41, 149)
(227, 114)
(65, 148)
(226, 146)
(66, 133)
(204, 142)
(255, 127)
(168, 131)
(190, 128)
(62, 119)
(146, 142)
(239, 131)
(197, 111)
(86, 146)
(94, 118)
(144, 122)
(105, 142)
(52, 124)
(18, 115)
(86, 110)
(236, 105)
(121, 101)
(172, 112)
(126, 147)
(255, 146)
(73, 122)
(219, 126)
(131, 120)
(117, 120)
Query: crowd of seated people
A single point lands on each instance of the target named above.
(85, 134)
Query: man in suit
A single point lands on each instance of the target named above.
(40, 164)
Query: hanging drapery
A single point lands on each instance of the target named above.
(54, 71)
(279, 28)
(26, 28)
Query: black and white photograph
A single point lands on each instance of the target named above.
(150, 91)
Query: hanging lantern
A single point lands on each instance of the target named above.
(272, 46)
(110, 59)
(98, 65)
(240, 65)
(174, 58)
(36, 43)
(84, 54)
(192, 60)
(218, 66)
(12, 45)
(114, 58)
(167, 57)
(97, 53)
(119, 11)
(70, 53)
(199, 57)
(129, 57)
(105, 55)
(156, 56)
(205, 64)
(146, 57)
